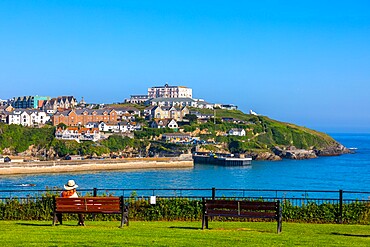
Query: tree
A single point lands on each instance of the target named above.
(62, 126)
(191, 117)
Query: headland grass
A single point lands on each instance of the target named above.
(180, 233)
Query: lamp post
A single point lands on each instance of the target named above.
(214, 116)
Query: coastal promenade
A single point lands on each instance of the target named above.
(184, 161)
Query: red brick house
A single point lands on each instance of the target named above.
(81, 117)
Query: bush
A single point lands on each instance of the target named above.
(183, 209)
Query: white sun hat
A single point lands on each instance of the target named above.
(70, 185)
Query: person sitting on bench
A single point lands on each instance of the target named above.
(70, 192)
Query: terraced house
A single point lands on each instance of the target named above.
(165, 112)
(29, 101)
(82, 117)
(78, 134)
(61, 102)
(27, 117)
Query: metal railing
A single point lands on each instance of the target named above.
(318, 196)
(292, 198)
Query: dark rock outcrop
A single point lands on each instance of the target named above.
(334, 150)
(264, 156)
(294, 153)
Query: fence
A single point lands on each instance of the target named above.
(297, 204)
(295, 196)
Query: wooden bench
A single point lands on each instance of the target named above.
(244, 209)
(91, 205)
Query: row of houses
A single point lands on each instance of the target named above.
(93, 134)
(78, 134)
(164, 112)
(120, 127)
(81, 117)
(44, 102)
(180, 102)
(33, 118)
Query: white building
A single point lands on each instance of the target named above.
(237, 132)
(163, 123)
(108, 127)
(167, 91)
(180, 102)
(176, 137)
(92, 125)
(78, 134)
(121, 127)
(137, 99)
(28, 117)
(200, 103)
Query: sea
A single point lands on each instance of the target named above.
(350, 172)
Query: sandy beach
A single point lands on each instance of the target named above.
(93, 165)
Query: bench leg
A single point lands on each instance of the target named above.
(54, 219)
(81, 220)
(280, 223)
(127, 220)
(203, 221)
(57, 217)
(124, 218)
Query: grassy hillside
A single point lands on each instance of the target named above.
(262, 134)
(19, 138)
(265, 133)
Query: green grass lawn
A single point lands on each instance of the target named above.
(140, 233)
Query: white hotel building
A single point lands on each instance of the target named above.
(167, 91)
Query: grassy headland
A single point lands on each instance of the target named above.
(263, 135)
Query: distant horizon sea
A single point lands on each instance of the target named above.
(349, 172)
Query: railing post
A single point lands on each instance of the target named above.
(340, 218)
(213, 193)
(95, 194)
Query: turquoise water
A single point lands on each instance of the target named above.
(347, 172)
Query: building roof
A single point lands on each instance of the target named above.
(236, 129)
(79, 130)
(81, 111)
(125, 108)
(161, 99)
(149, 108)
(168, 86)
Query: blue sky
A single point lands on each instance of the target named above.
(304, 62)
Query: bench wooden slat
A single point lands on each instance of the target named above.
(230, 202)
(86, 203)
(234, 213)
(87, 208)
(76, 210)
(243, 207)
(88, 199)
